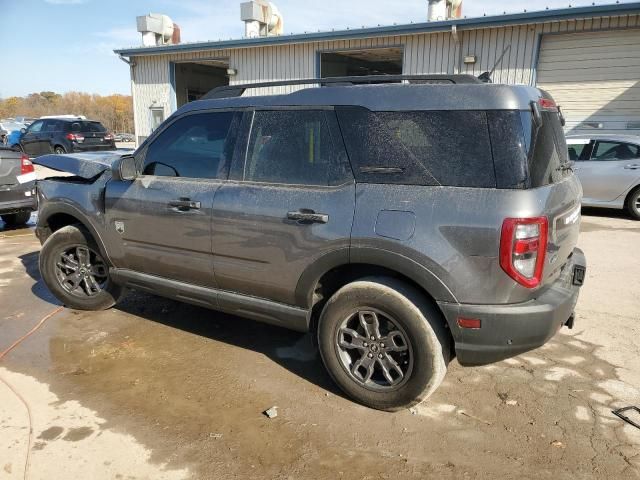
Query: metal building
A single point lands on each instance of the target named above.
(587, 57)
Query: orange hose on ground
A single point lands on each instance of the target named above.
(33, 330)
(17, 394)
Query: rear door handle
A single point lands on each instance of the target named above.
(633, 166)
(184, 204)
(304, 216)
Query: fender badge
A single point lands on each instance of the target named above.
(119, 227)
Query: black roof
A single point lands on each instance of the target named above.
(390, 97)
(66, 119)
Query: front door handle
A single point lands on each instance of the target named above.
(633, 166)
(305, 216)
(184, 204)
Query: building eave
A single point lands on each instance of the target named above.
(573, 13)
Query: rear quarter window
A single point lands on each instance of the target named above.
(449, 148)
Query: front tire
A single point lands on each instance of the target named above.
(633, 204)
(72, 267)
(16, 219)
(384, 343)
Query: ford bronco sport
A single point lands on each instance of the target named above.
(402, 224)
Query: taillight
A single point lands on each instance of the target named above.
(75, 137)
(26, 166)
(547, 104)
(523, 247)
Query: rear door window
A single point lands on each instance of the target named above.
(294, 147)
(614, 151)
(419, 147)
(195, 146)
(52, 126)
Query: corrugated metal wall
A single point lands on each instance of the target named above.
(423, 53)
(595, 76)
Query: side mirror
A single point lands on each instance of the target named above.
(124, 169)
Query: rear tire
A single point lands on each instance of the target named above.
(72, 267)
(59, 150)
(16, 219)
(405, 362)
(633, 204)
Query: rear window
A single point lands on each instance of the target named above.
(87, 126)
(548, 155)
(419, 148)
(525, 156)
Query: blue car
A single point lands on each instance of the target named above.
(14, 132)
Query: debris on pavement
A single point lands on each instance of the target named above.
(271, 412)
(462, 412)
(512, 403)
(217, 436)
(620, 414)
(558, 444)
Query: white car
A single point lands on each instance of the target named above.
(608, 167)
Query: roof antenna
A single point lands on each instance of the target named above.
(486, 76)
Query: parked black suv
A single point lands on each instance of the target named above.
(401, 224)
(64, 135)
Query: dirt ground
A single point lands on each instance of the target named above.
(155, 389)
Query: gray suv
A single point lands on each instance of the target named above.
(402, 224)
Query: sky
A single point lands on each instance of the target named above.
(65, 45)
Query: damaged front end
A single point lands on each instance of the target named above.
(76, 197)
(82, 165)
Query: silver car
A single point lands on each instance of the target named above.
(608, 167)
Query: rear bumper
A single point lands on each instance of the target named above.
(508, 330)
(92, 148)
(18, 198)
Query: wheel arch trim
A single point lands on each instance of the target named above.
(53, 208)
(374, 257)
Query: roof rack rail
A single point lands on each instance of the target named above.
(228, 91)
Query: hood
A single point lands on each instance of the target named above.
(85, 165)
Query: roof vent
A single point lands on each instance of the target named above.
(261, 19)
(444, 9)
(158, 29)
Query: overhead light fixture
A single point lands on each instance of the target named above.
(469, 59)
(232, 72)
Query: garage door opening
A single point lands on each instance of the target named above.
(372, 61)
(194, 79)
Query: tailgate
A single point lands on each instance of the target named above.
(93, 138)
(10, 166)
(563, 211)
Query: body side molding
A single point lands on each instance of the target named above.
(259, 309)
